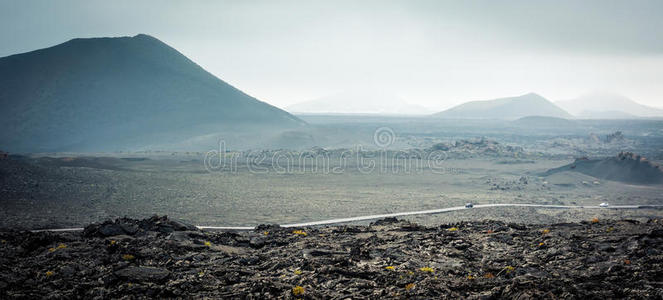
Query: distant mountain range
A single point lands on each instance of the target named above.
(359, 102)
(510, 108)
(116, 93)
(607, 106)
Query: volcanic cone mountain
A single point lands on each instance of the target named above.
(119, 93)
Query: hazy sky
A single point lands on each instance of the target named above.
(432, 53)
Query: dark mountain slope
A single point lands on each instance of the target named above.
(114, 93)
(625, 167)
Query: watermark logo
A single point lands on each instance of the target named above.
(384, 137)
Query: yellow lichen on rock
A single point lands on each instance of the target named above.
(298, 290)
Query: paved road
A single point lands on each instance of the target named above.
(401, 214)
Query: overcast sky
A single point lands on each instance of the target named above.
(433, 53)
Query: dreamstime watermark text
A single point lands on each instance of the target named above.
(377, 159)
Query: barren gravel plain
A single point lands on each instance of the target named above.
(72, 191)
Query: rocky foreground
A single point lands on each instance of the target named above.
(162, 258)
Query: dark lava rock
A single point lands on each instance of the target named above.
(160, 258)
(143, 274)
(385, 221)
(656, 233)
(460, 245)
(126, 226)
(107, 230)
(37, 240)
(257, 242)
(310, 253)
(268, 227)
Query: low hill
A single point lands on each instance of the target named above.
(625, 167)
(605, 115)
(607, 106)
(544, 122)
(102, 94)
(510, 108)
(359, 102)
